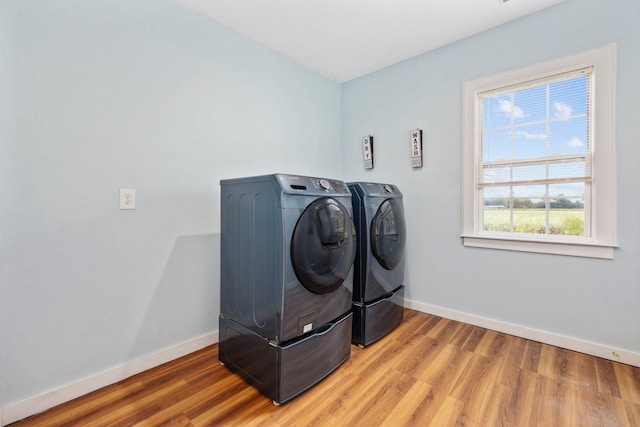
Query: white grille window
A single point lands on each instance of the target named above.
(534, 157)
(538, 158)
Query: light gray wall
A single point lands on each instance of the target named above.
(142, 94)
(586, 299)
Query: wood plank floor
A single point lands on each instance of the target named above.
(429, 372)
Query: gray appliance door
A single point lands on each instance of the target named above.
(323, 246)
(388, 234)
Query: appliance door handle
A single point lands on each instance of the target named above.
(332, 246)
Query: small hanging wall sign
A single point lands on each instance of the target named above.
(367, 150)
(416, 148)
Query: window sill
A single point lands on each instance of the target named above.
(588, 250)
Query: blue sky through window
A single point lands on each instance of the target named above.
(541, 121)
(535, 122)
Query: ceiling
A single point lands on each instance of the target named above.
(345, 39)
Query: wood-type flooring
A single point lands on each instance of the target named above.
(430, 371)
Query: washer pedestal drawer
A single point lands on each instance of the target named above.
(283, 371)
(374, 320)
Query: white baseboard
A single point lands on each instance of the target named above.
(36, 404)
(594, 349)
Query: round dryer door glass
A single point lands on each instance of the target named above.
(323, 246)
(388, 234)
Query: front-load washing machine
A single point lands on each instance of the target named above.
(287, 249)
(378, 289)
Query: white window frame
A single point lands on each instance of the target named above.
(603, 237)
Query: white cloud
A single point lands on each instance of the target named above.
(529, 135)
(509, 108)
(575, 142)
(563, 111)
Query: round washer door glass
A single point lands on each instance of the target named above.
(323, 246)
(388, 234)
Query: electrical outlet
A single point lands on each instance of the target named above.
(127, 198)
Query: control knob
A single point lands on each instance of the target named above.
(324, 184)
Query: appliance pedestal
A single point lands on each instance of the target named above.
(285, 370)
(374, 320)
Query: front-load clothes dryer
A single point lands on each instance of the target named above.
(378, 289)
(287, 249)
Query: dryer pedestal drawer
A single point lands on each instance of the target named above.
(374, 320)
(285, 370)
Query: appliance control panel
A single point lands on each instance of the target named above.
(380, 190)
(309, 185)
(330, 185)
(386, 189)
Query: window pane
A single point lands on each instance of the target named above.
(567, 170)
(532, 220)
(496, 212)
(530, 141)
(568, 97)
(496, 193)
(537, 192)
(496, 175)
(529, 214)
(573, 190)
(497, 111)
(497, 218)
(523, 209)
(568, 136)
(527, 173)
(566, 213)
(496, 145)
(531, 103)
